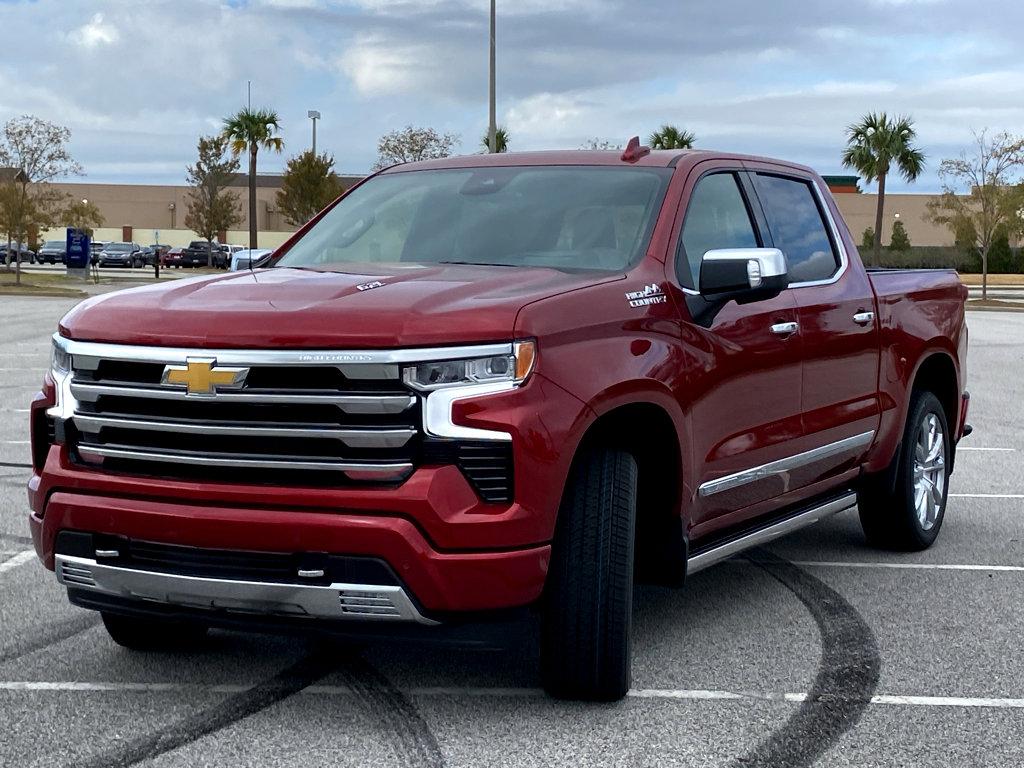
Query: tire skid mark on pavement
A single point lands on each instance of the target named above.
(412, 738)
(848, 672)
(50, 635)
(234, 708)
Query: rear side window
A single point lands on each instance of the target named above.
(797, 227)
(716, 217)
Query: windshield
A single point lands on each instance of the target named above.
(565, 217)
(53, 244)
(119, 247)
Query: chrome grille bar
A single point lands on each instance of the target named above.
(389, 438)
(350, 404)
(379, 470)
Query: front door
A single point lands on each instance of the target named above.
(743, 394)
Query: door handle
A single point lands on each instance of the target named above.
(785, 329)
(863, 318)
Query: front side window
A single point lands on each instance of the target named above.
(797, 227)
(563, 217)
(716, 217)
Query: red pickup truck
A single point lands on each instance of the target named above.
(496, 381)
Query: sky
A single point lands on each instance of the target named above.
(138, 81)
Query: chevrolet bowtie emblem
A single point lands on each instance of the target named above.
(201, 376)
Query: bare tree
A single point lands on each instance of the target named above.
(411, 144)
(991, 175)
(212, 207)
(39, 151)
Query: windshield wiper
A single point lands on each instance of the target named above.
(478, 264)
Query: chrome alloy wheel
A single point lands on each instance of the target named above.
(929, 470)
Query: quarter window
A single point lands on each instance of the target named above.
(797, 227)
(716, 217)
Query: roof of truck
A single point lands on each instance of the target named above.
(653, 159)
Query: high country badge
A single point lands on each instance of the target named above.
(648, 295)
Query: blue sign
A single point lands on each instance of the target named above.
(78, 249)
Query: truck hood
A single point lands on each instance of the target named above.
(305, 308)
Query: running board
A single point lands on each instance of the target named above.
(702, 560)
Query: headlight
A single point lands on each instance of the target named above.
(498, 368)
(60, 361)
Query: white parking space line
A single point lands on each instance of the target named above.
(16, 443)
(483, 691)
(988, 496)
(23, 557)
(924, 566)
(981, 448)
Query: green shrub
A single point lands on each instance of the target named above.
(1001, 258)
(867, 240)
(900, 240)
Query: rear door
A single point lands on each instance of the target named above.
(743, 393)
(837, 316)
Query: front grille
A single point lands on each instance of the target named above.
(312, 423)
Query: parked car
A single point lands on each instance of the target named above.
(197, 254)
(240, 260)
(119, 255)
(28, 256)
(52, 251)
(172, 257)
(562, 370)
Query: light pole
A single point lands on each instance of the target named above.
(314, 116)
(492, 126)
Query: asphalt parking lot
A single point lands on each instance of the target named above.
(819, 650)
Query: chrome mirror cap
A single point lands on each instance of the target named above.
(743, 274)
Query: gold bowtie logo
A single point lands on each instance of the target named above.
(201, 376)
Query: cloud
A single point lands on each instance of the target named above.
(95, 33)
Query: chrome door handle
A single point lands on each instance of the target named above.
(863, 318)
(785, 329)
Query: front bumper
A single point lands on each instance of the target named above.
(329, 602)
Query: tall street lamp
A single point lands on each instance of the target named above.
(492, 126)
(314, 116)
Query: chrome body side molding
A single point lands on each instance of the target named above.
(730, 548)
(782, 466)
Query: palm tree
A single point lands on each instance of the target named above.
(250, 130)
(876, 146)
(500, 140)
(672, 138)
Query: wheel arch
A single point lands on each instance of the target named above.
(647, 428)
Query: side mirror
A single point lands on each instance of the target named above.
(743, 274)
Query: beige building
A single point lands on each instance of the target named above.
(149, 214)
(156, 213)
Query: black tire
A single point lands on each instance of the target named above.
(887, 502)
(143, 634)
(588, 601)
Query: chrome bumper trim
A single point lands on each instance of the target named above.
(339, 600)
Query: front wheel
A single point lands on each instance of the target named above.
(142, 634)
(588, 601)
(907, 514)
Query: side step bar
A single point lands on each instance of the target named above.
(729, 548)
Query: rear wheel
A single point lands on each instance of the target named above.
(907, 514)
(143, 634)
(588, 601)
